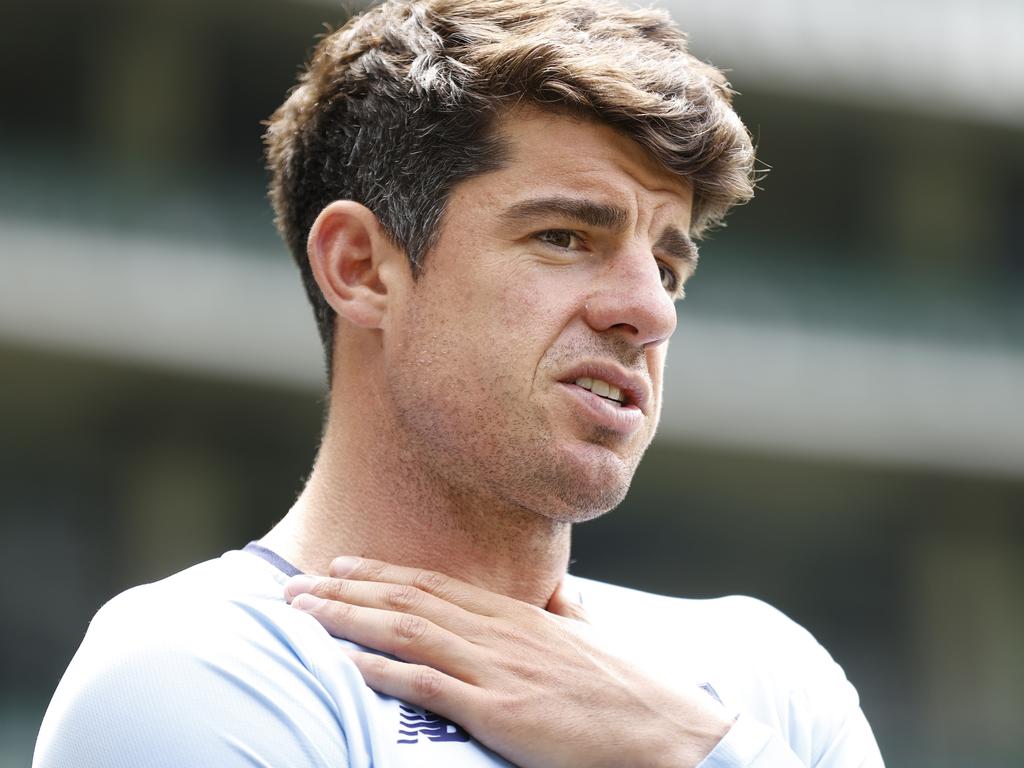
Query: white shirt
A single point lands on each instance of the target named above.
(212, 667)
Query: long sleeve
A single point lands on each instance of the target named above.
(749, 744)
(813, 717)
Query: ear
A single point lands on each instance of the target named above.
(353, 262)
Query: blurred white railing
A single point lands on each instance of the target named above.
(780, 388)
(958, 58)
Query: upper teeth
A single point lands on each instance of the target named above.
(602, 388)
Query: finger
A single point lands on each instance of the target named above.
(564, 603)
(416, 684)
(466, 596)
(410, 638)
(399, 598)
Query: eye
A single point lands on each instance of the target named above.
(669, 279)
(564, 239)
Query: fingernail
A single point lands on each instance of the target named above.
(342, 566)
(298, 584)
(307, 602)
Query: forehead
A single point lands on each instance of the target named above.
(551, 151)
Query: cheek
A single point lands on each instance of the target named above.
(538, 301)
(520, 307)
(496, 294)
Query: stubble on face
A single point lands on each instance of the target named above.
(485, 335)
(482, 452)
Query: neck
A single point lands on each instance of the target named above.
(365, 498)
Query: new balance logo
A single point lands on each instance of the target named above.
(415, 722)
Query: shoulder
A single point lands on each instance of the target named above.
(234, 599)
(221, 613)
(731, 623)
(735, 632)
(757, 660)
(205, 667)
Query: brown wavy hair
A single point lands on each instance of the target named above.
(397, 107)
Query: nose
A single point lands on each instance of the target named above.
(630, 299)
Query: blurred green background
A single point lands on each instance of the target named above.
(844, 427)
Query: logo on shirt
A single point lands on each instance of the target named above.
(415, 722)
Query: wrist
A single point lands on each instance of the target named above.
(695, 739)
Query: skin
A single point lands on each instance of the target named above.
(457, 443)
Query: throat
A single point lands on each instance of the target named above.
(509, 551)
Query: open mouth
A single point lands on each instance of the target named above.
(602, 389)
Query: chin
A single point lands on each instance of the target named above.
(577, 491)
(581, 507)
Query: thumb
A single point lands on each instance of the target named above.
(564, 603)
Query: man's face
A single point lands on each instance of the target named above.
(525, 365)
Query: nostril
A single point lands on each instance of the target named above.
(655, 343)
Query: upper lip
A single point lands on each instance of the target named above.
(636, 389)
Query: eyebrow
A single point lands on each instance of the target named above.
(678, 245)
(585, 212)
(674, 242)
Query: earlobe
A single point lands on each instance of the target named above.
(346, 249)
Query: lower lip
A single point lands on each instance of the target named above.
(625, 419)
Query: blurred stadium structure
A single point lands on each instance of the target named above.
(844, 420)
